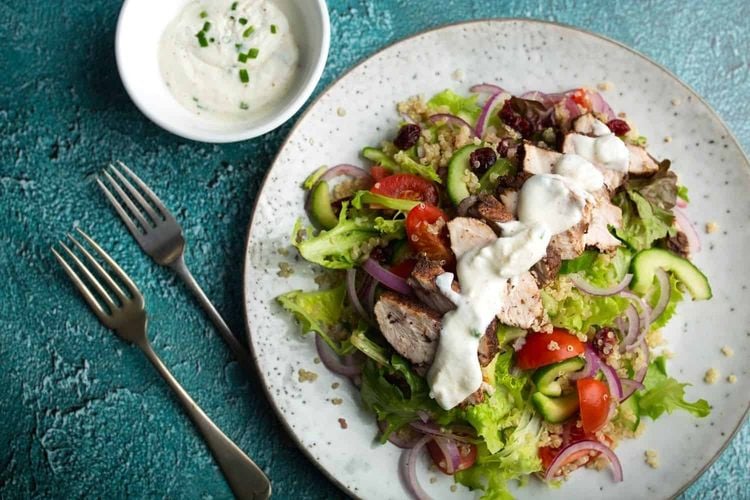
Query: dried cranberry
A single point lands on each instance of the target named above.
(604, 342)
(482, 159)
(502, 147)
(408, 135)
(515, 121)
(618, 127)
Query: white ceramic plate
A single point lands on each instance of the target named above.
(518, 55)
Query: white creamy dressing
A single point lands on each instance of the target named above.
(246, 39)
(605, 149)
(548, 204)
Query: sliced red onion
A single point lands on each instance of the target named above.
(613, 381)
(665, 293)
(681, 218)
(423, 416)
(454, 120)
(369, 295)
(586, 445)
(344, 169)
(681, 203)
(409, 468)
(331, 360)
(387, 278)
(574, 111)
(590, 368)
(486, 113)
(599, 105)
(587, 287)
(351, 290)
(629, 387)
(434, 430)
(612, 411)
(450, 453)
(404, 438)
(466, 204)
(644, 318)
(634, 326)
(544, 98)
(640, 375)
(486, 88)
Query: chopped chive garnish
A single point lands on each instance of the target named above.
(252, 53)
(202, 39)
(244, 78)
(273, 29)
(242, 57)
(234, 5)
(242, 21)
(204, 14)
(206, 26)
(243, 105)
(248, 32)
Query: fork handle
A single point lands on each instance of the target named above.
(245, 478)
(238, 351)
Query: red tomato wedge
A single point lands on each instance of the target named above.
(581, 98)
(594, 400)
(427, 233)
(466, 451)
(407, 187)
(379, 173)
(541, 349)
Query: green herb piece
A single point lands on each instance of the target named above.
(248, 32)
(234, 5)
(274, 29)
(243, 105)
(244, 78)
(206, 26)
(242, 57)
(204, 14)
(242, 21)
(202, 39)
(253, 53)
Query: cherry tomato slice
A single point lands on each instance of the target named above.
(379, 173)
(581, 98)
(541, 349)
(594, 400)
(466, 451)
(407, 187)
(427, 233)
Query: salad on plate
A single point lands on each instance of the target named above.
(494, 282)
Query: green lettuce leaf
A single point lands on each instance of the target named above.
(682, 192)
(349, 242)
(408, 165)
(320, 312)
(464, 107)
(662, 393)
(517, 459)
(362, 198)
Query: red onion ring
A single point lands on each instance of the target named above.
(599, 105)
(465, 204)
(629, 387)
(645, 318)
(687, 227)
(586, 445)
(613, 381)
(665, 293)
(423, 416)
(574, 111)
(592, 364)
(452, 119)
(486, 114)
(387, 278)
(450, 453)
(681, 203)
(398, 438)
(640, 375)
(351, 290)
(409, 468)
(434, 430)
(587, 287)
(486, 88)
(546, 99)
(344, 169)
(634, 326)
(331, 360)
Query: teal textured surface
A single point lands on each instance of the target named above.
(85, 415)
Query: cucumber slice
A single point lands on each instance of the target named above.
(545, 378)
(321, 211)
(646, 262)
(377, 156)
(555, 410)
(488, 181)
(459, 164)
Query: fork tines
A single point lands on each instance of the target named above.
(142, 210)
(100, 289)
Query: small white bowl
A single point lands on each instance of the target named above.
(139, 30)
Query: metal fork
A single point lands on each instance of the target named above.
(124, 313)
(160, 236)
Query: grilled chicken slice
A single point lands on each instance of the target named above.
(467, 233)
(603, 215)
(522, 305)
(538, 160)
(640, 161)
(422, 281)
(490, 209)
(548, 268)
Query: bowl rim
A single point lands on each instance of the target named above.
(728, 439)
(272, 122)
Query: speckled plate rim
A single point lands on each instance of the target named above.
(246, 290)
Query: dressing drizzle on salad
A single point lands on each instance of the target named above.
(549, 204)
